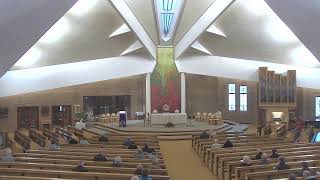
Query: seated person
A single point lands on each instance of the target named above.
(155, 163)
(128, 142)
(305, 167)
(145, 174)
(216, 145)
(132, 146)
(139, 154)
(7, 157)
(146, 148)
(103, 138)
(53, 146)
(227, 144)
(99, 157)
(274, 153)
(264, 159)
(282, 165)
(152, 155)
(83, 141)
(292, 177)
(245, 161)
(204, 135)
(308, 176)
(117, 161)
(135, 178)
(72, 141)
(80, 167)
(138, 171)
(259, 154)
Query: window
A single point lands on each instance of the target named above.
(168, 12)
(317, 106)
(232, 97)
(243, 98)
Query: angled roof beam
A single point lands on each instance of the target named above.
(208, 17)
(131, 20)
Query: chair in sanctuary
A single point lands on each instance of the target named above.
(176, 111)
(198, 116)
(108, 118)
(114, 118)
(155, 111)
(204, 117)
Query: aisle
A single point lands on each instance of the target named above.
(182, 162)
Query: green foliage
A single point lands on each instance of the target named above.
(82, 116)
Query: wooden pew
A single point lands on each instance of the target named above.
(274, 174)
(62, 167)
(242, 171)
(125, 157)
(112, 152)
(70, 174)
(4, 177)
(88, 162)
(213, 159)
(37, 137)
(23, 140)
(102, 146)
(222, 163)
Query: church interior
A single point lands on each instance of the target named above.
(159, 89)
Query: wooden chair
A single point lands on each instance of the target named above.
(204, 117)
(198, 116)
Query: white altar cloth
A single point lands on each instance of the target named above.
(163, 118)
(80, 125)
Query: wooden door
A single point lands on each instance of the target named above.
(28, 117)
(61, 115)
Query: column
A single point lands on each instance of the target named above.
(148, 94)
(183, 93)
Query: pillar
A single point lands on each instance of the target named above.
(148, 94)
(183, 93)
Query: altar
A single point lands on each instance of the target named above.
(163, 118)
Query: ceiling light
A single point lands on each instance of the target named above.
(302, 56)
(29, 58)
(82, 7)
(256, 7)
(280, 32)
(57, 31)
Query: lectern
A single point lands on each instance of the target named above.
(122, 118)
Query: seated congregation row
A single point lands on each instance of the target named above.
(222, 152)
(126, 157)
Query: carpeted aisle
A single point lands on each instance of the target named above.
(182, 162)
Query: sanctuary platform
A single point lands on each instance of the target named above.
(177, 132)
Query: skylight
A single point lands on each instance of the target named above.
(167, 15)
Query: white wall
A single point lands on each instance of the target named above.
(56, 76)
(244, 69)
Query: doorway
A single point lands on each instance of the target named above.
(28, 117)
(61, 116)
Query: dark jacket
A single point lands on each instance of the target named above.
(204, 135)
(80, 169)
(99, 157)
(258, 156)
(72, 141)
(274, 155)
(282, 166)
(103, 139)
(227, 144)
(132, 146)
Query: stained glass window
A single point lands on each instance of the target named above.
(317, 106)
(243, 98)
(232, 97)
